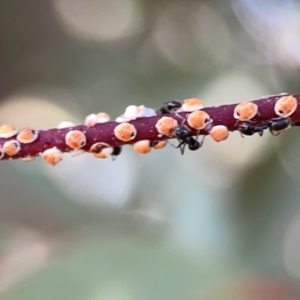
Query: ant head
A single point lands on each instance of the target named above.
(182, 131)
(169, 107)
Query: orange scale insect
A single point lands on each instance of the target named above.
(285, 106)
(159, 145)
(27, 135)
(166, 125)
(7, 131)
(97, 147)
(75, 139)
(142, 147)
(219, 133)
(104, 153)
(192, 104)
(198, 119)
(245, 111)
(52, 156)
(125, 132)
(11, 147)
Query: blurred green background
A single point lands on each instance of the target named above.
(220, 223)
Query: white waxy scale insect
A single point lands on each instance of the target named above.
(66, 124)
(93, 119)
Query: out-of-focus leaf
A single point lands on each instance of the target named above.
(109, 266)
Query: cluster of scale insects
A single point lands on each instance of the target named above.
(284, 108)
(244, 113)
(186, 131)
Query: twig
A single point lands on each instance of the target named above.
(145, 129)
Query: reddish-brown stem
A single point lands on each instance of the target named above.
(221, 115)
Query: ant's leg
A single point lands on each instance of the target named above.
(241, 133)
(197, 137)
(179, 116)
(181, 146)
(172, 144)
(201, 143)
(178, 146)
(264, 126)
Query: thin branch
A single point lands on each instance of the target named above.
(146, 129)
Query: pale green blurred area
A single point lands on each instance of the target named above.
(220, 223)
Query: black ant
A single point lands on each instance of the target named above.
(184, 136)
(278, 125)
(169, 107)
(247, 129)
(116, 152)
